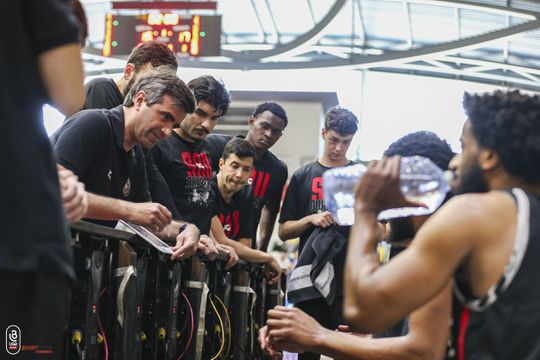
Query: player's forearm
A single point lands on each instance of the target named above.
(360, 291)
(266, 227)
(293, 228)
(171, 231)
(341, 346)
(244, 252)
(62, 74)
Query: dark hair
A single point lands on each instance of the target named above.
(509, 124)
(274, 108)
(80, 14)
(160, 82)
(423, 143)
(153, 52)
(208, 89)
(420, 143)
(341, 120)
(239, 147)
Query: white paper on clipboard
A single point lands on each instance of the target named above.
(144, 234)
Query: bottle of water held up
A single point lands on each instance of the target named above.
(420, 180)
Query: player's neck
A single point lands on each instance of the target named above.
(183, 135)
(226, 195)
(327, 162)
(121, 83)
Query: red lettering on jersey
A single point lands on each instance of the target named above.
(265, 184)
(206, 162)
(231, 224)
(316, 188)
(260, 180)
(187, 159)
(198, 164)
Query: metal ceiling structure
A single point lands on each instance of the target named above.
(489, 41)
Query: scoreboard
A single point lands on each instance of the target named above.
(186, 35)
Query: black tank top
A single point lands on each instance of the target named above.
(505, 324)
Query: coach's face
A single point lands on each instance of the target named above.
(155, 122)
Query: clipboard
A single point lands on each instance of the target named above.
(144, 234)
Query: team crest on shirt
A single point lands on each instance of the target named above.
(126, 191)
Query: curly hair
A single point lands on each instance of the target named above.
(423, 143)
(341, 120)
(274, 108)
(508, 123)
(208, 89)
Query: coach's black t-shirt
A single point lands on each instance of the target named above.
(188, 173)
(236, 216)
(34, 230)
(304, 197)
(91, 144)
(266, 183)
(103, 93)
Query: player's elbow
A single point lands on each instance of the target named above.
(357, 319)
(284, 232)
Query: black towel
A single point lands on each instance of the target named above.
(313, 277)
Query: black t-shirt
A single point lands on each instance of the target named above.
(187, 171)
(103, 93)
(304, 197)
(91, 144)
(34, 230)
(266, 183)
(236, 216)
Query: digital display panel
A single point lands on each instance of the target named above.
(186, 35)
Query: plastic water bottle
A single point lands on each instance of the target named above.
(420, 180)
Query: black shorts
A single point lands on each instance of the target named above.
(38, 306)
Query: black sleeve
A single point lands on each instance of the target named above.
(159, 190)
(99, 95)
(216, 144)
(81, 140)
(289, 210)
(51, 24)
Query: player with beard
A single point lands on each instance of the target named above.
(232, 219)
(488, 241)
(183, 158)
(422, 336)
(304, 210)
(266, 125)
(105, 93)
